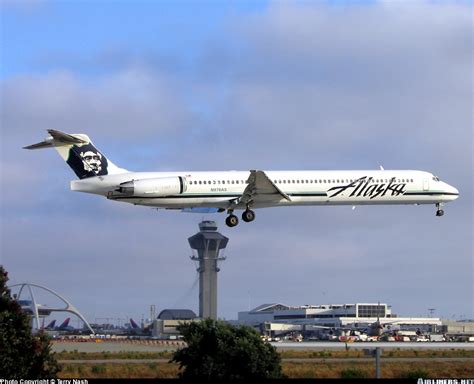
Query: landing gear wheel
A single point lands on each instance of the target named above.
(439, 211)
(232, 220)
(248, 215)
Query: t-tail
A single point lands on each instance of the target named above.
(79, 152)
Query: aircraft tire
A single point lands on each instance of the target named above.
(232, 220)
(248, 216)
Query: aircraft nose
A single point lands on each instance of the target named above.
(452, 191)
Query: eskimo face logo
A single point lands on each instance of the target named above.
(92, 161)
(87, 161)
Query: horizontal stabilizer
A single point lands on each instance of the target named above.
(56, 139)
(44, 144)
(65, 138)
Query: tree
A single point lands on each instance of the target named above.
(217, 350)
(22, 354)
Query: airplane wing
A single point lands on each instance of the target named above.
(260, 189)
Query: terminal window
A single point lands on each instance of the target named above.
(371, 310)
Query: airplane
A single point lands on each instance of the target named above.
(133, 324)
(65, 324)
(63, 327)
(51, 325)
(376, 328)
(138, 330)
(210, 192)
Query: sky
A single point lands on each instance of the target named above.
(210, 85)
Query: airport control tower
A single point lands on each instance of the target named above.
(208, 244)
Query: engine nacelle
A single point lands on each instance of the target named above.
(163, 186)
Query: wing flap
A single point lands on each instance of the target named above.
(261, 188)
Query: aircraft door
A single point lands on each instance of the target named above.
(426, 184)
(183, 184)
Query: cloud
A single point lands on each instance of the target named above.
(133, 99)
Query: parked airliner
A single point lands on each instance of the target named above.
(206, 192)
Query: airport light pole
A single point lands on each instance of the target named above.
(378, 370)
(208, 243)
(377, 353)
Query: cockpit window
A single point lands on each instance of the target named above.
(435, 178)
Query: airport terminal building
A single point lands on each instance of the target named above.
(333, 315)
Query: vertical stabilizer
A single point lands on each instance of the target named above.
(78, 151)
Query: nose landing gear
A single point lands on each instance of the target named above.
(439, 211)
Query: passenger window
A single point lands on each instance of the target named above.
(200, 182)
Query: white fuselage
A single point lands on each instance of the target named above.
(217, 189)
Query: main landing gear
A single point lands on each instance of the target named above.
(232, 220)
(439, 211)
(248, 215)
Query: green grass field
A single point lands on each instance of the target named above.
(322, 367)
